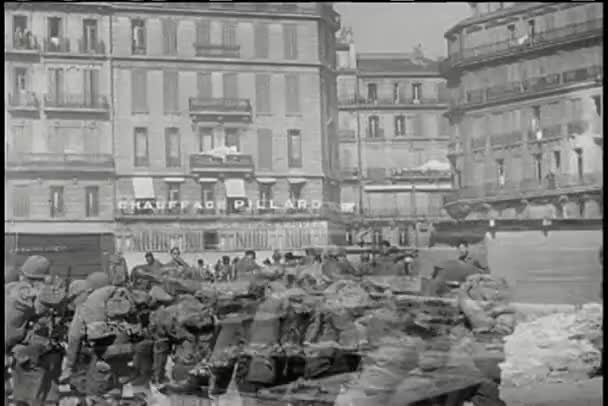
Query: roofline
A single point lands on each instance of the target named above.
(384, 55)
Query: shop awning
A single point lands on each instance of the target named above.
(235, 188)
(143, 188)
(174, 180)
(207, 180)
(266, 180)
(296, 181)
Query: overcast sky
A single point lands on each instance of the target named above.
(398, 27)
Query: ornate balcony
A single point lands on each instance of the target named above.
(217, 50)
(557, 37)
(417, 174)
(66, 162)
(97, 47)
(23, 101)
(75, 102)
(220, 109)
(222, 166)
(57, 45)
(505, 139)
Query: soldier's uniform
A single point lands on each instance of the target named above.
(186, 330)
(27, 331)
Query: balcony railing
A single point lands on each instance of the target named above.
(398, 173)
(532, 86)
(24, 100)
(219, 104)
(230, 163)
(542, 39)
(74, 161)
(24, 43)
(389, 101)
(346, 134)
(217, 50)
(508, 138)
(97, 47)
(75, 102)
(398, 212)
(194, 211)
(527, 188)
(57, 45)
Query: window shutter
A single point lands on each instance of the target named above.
(21, 201)
(203, 83)
(87, 76)
(229, 34)
(203, 32)
(265, 149)
(139, 91)
(95, 85)
(292, 96)
(262, 93)
(52, 85)
(290, 38)
(170, 89)
(230, 86)
(261, 40)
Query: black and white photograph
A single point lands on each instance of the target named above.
(230, 203)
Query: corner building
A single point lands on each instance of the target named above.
(191, 79)
(526, 136)
(59, 164)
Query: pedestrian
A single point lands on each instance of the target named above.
(464, 255)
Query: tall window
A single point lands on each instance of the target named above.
(56, 201)
(173, 195)
(229, 34)
(580, 169)
(91, 87)
(169, 37)
(399, 126)
(295, 191)
(171, 92)
(396, 96)
(172, 148)
(264, 149)
(265, 193)
(292, 88)
(230, 85)
(500, 165)
(138, 35)
(205, 139)
(598, 105)
(373, 127)
(91, 195)
(260, 36)
(141, 147)
(557, 161)
(208, 198)
(372, 93)
(21, 201)
(536, 124)
(54, 26)
(232, 138)
(19, 34)
(56, 85)
(538, 167)
(416, 92)
(294, 149)
(89, 35)
(290, 38)
(139, 91)
(262, 93)
(20, 84)
(203, 85)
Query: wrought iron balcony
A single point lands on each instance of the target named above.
(392, 211)
(97, 47)
(23, 101)
(75, 102)
(57, 45)
(407, 174)
(504, 139)
(37, 161)
(512, 47)
(220, 109)
(231, 163)
(389, 101)
(217, 50)
(22, 44)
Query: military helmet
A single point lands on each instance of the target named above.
(36, 267)
(97, 280)
(276, 255)
(77, 287)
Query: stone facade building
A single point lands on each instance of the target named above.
(525, 82)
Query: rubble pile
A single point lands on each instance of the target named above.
(557, 348)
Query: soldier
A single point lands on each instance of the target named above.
(27, 332)
(465, 256)
(186, 330)
(118, 272)
(365, 265)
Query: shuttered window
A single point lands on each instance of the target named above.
(21, 201)
(203, 84)
(262, 93)
(138, 34)
(171, 92)
(229, 34)
(292, 94)
(260, 34)
(56, 86)
(91, 87)
(265, 149)
(290, 38)
(230, 86)
(172, 148)
(294, 148)
(56, 201)
(169, 37)
(139, 90)
(141, 147)
(91, 201)
(399, 126)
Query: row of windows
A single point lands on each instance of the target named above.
(207, 139)
(263, 91)
(57, 208)
(205, 45)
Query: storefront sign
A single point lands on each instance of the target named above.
(242, 204)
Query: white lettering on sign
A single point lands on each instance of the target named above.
(210, 205)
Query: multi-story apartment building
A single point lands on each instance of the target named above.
(58, 159)
(254, 80)
(525, 82)
(393, 141)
